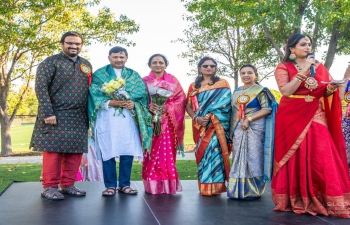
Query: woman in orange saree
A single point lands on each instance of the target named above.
(310, 165)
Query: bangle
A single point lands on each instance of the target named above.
(300, 78)
(250, 119)
(329, 90)
(296, 78)
(194, 118)
(303, 76)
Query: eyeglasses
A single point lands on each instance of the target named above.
(73, 43)
(206, 66)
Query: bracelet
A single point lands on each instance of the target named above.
(296, 78)
(300, 78)
(195, 119)
(303, 76)
(329, 90)
(250, 119)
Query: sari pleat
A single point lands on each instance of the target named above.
(159, 171)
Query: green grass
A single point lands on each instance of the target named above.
(187, 170)
(21, 135)
(188, 139)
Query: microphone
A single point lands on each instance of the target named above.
(312, 67)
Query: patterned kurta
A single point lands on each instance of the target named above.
(62, 91)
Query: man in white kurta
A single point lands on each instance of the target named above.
(111, 124)
(122, 134)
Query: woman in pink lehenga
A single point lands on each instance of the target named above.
(159, 172)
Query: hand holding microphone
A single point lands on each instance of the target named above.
(311, 56)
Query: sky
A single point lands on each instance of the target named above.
(160, 23)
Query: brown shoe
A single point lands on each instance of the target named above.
(128, 190)
(109, 191)
(72, 190)
(52, 194)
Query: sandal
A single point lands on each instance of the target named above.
(72, 190)
(128, 190)
(52, 194)
(109, 191)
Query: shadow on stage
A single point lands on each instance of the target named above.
(21, 203)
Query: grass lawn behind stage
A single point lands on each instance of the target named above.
(187, 170)
(21, 135)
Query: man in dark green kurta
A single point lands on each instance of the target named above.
(60, 132)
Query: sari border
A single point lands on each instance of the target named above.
(220, 132)
(211, 189)
(204, 143)
(222, 83)
(326, 205)
(278, 165)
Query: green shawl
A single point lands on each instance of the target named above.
(137, 90)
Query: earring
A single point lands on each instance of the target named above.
(200, 74)
(292, 56)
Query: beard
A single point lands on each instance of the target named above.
(72, 52)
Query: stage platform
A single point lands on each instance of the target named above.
(21, 204)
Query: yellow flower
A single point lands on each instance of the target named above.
(113, 85)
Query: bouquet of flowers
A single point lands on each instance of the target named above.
(160, 92)
(116, 89)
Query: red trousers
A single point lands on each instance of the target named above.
(54, 163)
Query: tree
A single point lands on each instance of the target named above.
(28, 105)
(263, 27)
(277, 95)
(31, 30)
(225, 44)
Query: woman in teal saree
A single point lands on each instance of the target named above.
(208, 104)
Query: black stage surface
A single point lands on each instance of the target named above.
(21, 203)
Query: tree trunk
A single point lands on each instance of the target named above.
(332, 47)
(236, 79)
(6, 145)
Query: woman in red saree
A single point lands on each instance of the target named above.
(159, 172)
(310, 165)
